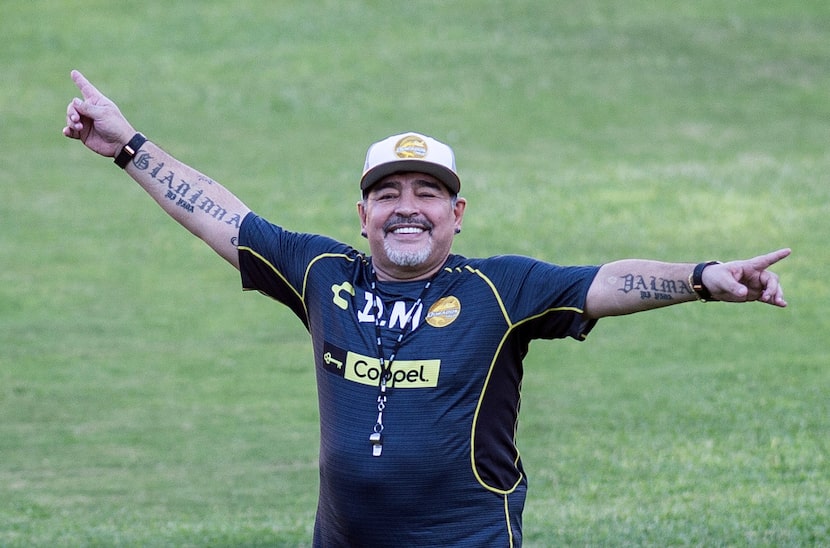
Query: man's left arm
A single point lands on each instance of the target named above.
(635, 285)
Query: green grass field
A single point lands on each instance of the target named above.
(145, 400)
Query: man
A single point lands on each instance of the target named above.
(418, 351)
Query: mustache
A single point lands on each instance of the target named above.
(412, 220)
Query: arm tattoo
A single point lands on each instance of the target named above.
(183, 194)
(653, 288)
(142, 160)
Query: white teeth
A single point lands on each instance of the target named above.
(408, 230)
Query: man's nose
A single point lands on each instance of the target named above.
(407, 204)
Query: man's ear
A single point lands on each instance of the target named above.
(361, 212)
(458, 210)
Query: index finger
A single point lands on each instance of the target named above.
(87, 89)
(769, 259)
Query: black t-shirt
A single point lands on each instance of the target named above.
(449, 472)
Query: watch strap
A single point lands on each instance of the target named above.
(128, 152)
(696, 281)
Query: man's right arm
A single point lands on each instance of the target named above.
(203, 206)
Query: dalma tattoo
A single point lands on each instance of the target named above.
(182, 193)
(653, 287)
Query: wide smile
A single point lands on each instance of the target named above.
(408, 230)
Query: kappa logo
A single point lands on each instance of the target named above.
(366, 369)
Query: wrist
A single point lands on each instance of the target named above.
(696, 281)
(129, 150)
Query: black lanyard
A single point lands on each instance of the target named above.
(376, 438)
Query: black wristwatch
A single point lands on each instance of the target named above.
(128, 152)
(696, 281)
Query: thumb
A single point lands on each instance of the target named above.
(724, 282)
(739, 290)
(732, 285)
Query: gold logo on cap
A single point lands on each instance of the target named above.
(411, 146)
(444, 311)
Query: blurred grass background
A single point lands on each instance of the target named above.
(145, 401)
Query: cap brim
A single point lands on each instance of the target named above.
(443, 174)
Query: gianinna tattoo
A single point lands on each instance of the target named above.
(183, 194)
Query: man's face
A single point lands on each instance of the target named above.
(410, 220)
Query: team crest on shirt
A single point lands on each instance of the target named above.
(444, 311)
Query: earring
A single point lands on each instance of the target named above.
(458, 231)
(363, 233)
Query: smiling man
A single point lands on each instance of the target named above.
(414, 214)
(418, 351)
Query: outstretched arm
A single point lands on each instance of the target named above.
(203, 206)
(634, 285)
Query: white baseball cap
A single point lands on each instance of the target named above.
(410, 152)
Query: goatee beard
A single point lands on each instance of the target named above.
(407, 258)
